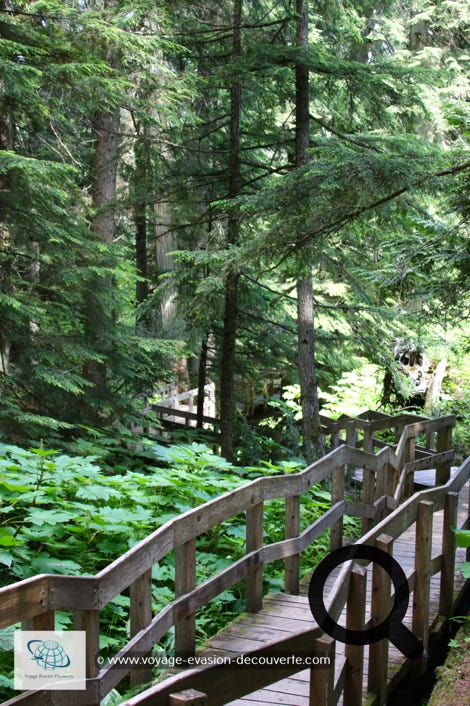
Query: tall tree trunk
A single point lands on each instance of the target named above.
(227, 370)
(98, 314)
(312, 442)
(140, 216)
(6, 143)
(201, 382)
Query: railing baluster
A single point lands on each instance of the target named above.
(409, 455)
(380, 609)
(44, 621)
(292, 529)
(444, 443)
(355, 620)
(446, 596)
(89, 621)
(368, 480)
(185, 581)
(140, 617)
(254, 540)
(423, 547)
(322, 679)
(337, 494)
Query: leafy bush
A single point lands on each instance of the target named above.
(65, 515)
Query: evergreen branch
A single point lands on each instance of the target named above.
(340, 222)
(346, 138)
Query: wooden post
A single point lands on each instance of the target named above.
(44, 621)
(368, 480)
(467, 551)
(391, 484)
(423, 548)
(446, 595)
(89, 621)
(380, 609)
(409, 455)
(444, 443)
(140, 617)
(368, 441)
(399, 431)
(254, 540)
(189, 697)
(430, 441)
(337, 494)
(292, 529)
(355, 620)
(322, 680)
(185, 581)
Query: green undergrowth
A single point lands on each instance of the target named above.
(74, 515)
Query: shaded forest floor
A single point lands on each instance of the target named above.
(453, 678)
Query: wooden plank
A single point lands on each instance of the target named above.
(218, 682)
(189, 697)
(380, 609)
(24, 600)
(448, 554)
(337, 495)
(254, 540)
(292, 529)
(45, 621)
(355, 620)
(118, 575)
(89, 621)
(185, 581)
(140, 618)
(423, 548)
(176, 412)
(444, 443)
(322, 680)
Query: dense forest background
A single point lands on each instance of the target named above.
(230, 191)
(226, 191)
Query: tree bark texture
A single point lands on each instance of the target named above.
(98, 316)
(227, 369)
(312, 442)
(6, 143)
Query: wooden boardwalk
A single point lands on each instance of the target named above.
(278, 623)
(283, 615)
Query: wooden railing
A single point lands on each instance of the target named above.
(34, 601)
(220, 684)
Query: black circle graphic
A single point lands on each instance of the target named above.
(392, 627)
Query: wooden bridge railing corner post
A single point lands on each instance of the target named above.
(254, 540)
(292, 530)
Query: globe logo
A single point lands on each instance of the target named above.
(48, 654)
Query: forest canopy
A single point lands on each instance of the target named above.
(235, 190)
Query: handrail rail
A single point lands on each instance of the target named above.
(36, 598)
(402, 518)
